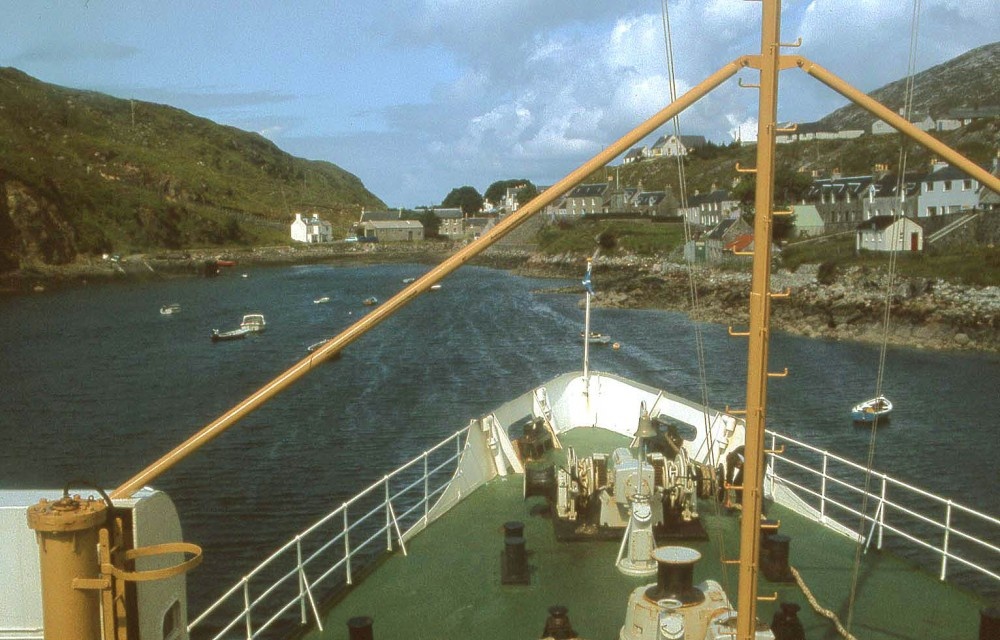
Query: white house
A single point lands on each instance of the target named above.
(946, 189)
(311, 230)
(888, 233)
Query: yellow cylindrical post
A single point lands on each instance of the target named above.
(67, 532)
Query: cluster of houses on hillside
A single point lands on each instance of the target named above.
(788, 132)
(884, 211)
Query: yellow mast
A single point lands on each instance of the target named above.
(760, 314)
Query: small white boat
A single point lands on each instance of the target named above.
(170, 309)
(223, 336)
(597, 338)
(408, 280)
(316, 345)
(435, 287)
(322, 300)
(370, 301)
(253, 322)
(878, 408)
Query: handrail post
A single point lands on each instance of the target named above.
(774, 460)
(246, 608)
(427, 490)
(822, 490)
(347, 547)
(881, 517)
(388, 518)
(302, 580)
(947, 535)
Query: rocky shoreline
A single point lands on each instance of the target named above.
(924, 314)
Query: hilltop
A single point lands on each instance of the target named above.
(83, 173)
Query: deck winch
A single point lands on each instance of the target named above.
(592, 496)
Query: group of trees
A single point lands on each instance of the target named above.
(470, 201)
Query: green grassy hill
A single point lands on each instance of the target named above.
(85, 173)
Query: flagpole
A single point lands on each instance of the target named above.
(586, 332)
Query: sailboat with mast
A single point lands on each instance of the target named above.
(587, 506)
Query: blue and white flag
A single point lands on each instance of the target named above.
(587, 284)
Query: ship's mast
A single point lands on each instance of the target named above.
(760, 316)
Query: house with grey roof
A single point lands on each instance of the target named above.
(709, 209)
(946, 189)
(889, 233)
(674, 145)
(586, 199)
(634, 155)
(450, 221)
(922, 121)
(391, 230)
(311, 229)
(888, 196)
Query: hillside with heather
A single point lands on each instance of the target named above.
(83, 173)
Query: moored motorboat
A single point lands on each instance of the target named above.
(322, 300)
(234, 334)
(596, 337)
(877, 408)
(370, 301)
(253, 322)
(170, 309)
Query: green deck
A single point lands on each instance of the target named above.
(449, 584)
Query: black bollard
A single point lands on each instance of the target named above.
(513, 529)
(989, 623)
(786, 625)
(557, 625)
(360, 628)
(514, 561)
(774, 558)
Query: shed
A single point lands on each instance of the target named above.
(393, 230)
(889, 233)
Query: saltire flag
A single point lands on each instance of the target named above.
(587, 284)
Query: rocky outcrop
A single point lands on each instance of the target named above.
(923, 313)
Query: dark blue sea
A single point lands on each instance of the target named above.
(95, 383)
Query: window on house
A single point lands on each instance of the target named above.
(947, 185)
(932, 211)
(966, 185)
(930, 186)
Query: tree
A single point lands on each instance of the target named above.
(497, 190)
(789, 186)
(465, 198)
(430, 222)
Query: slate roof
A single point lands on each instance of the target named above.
(588, 190)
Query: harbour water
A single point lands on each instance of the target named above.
(96, 384)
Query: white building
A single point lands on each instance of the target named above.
(311, 230)
(888, 233)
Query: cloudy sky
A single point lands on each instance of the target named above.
(417, 97)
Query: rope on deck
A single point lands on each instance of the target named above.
(826, 613)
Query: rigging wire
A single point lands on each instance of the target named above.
(691, 271)
(894, 248)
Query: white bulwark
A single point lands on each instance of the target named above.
(311, 230)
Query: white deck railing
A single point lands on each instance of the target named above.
(920, 522)
(312, 565)
(325, 556)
